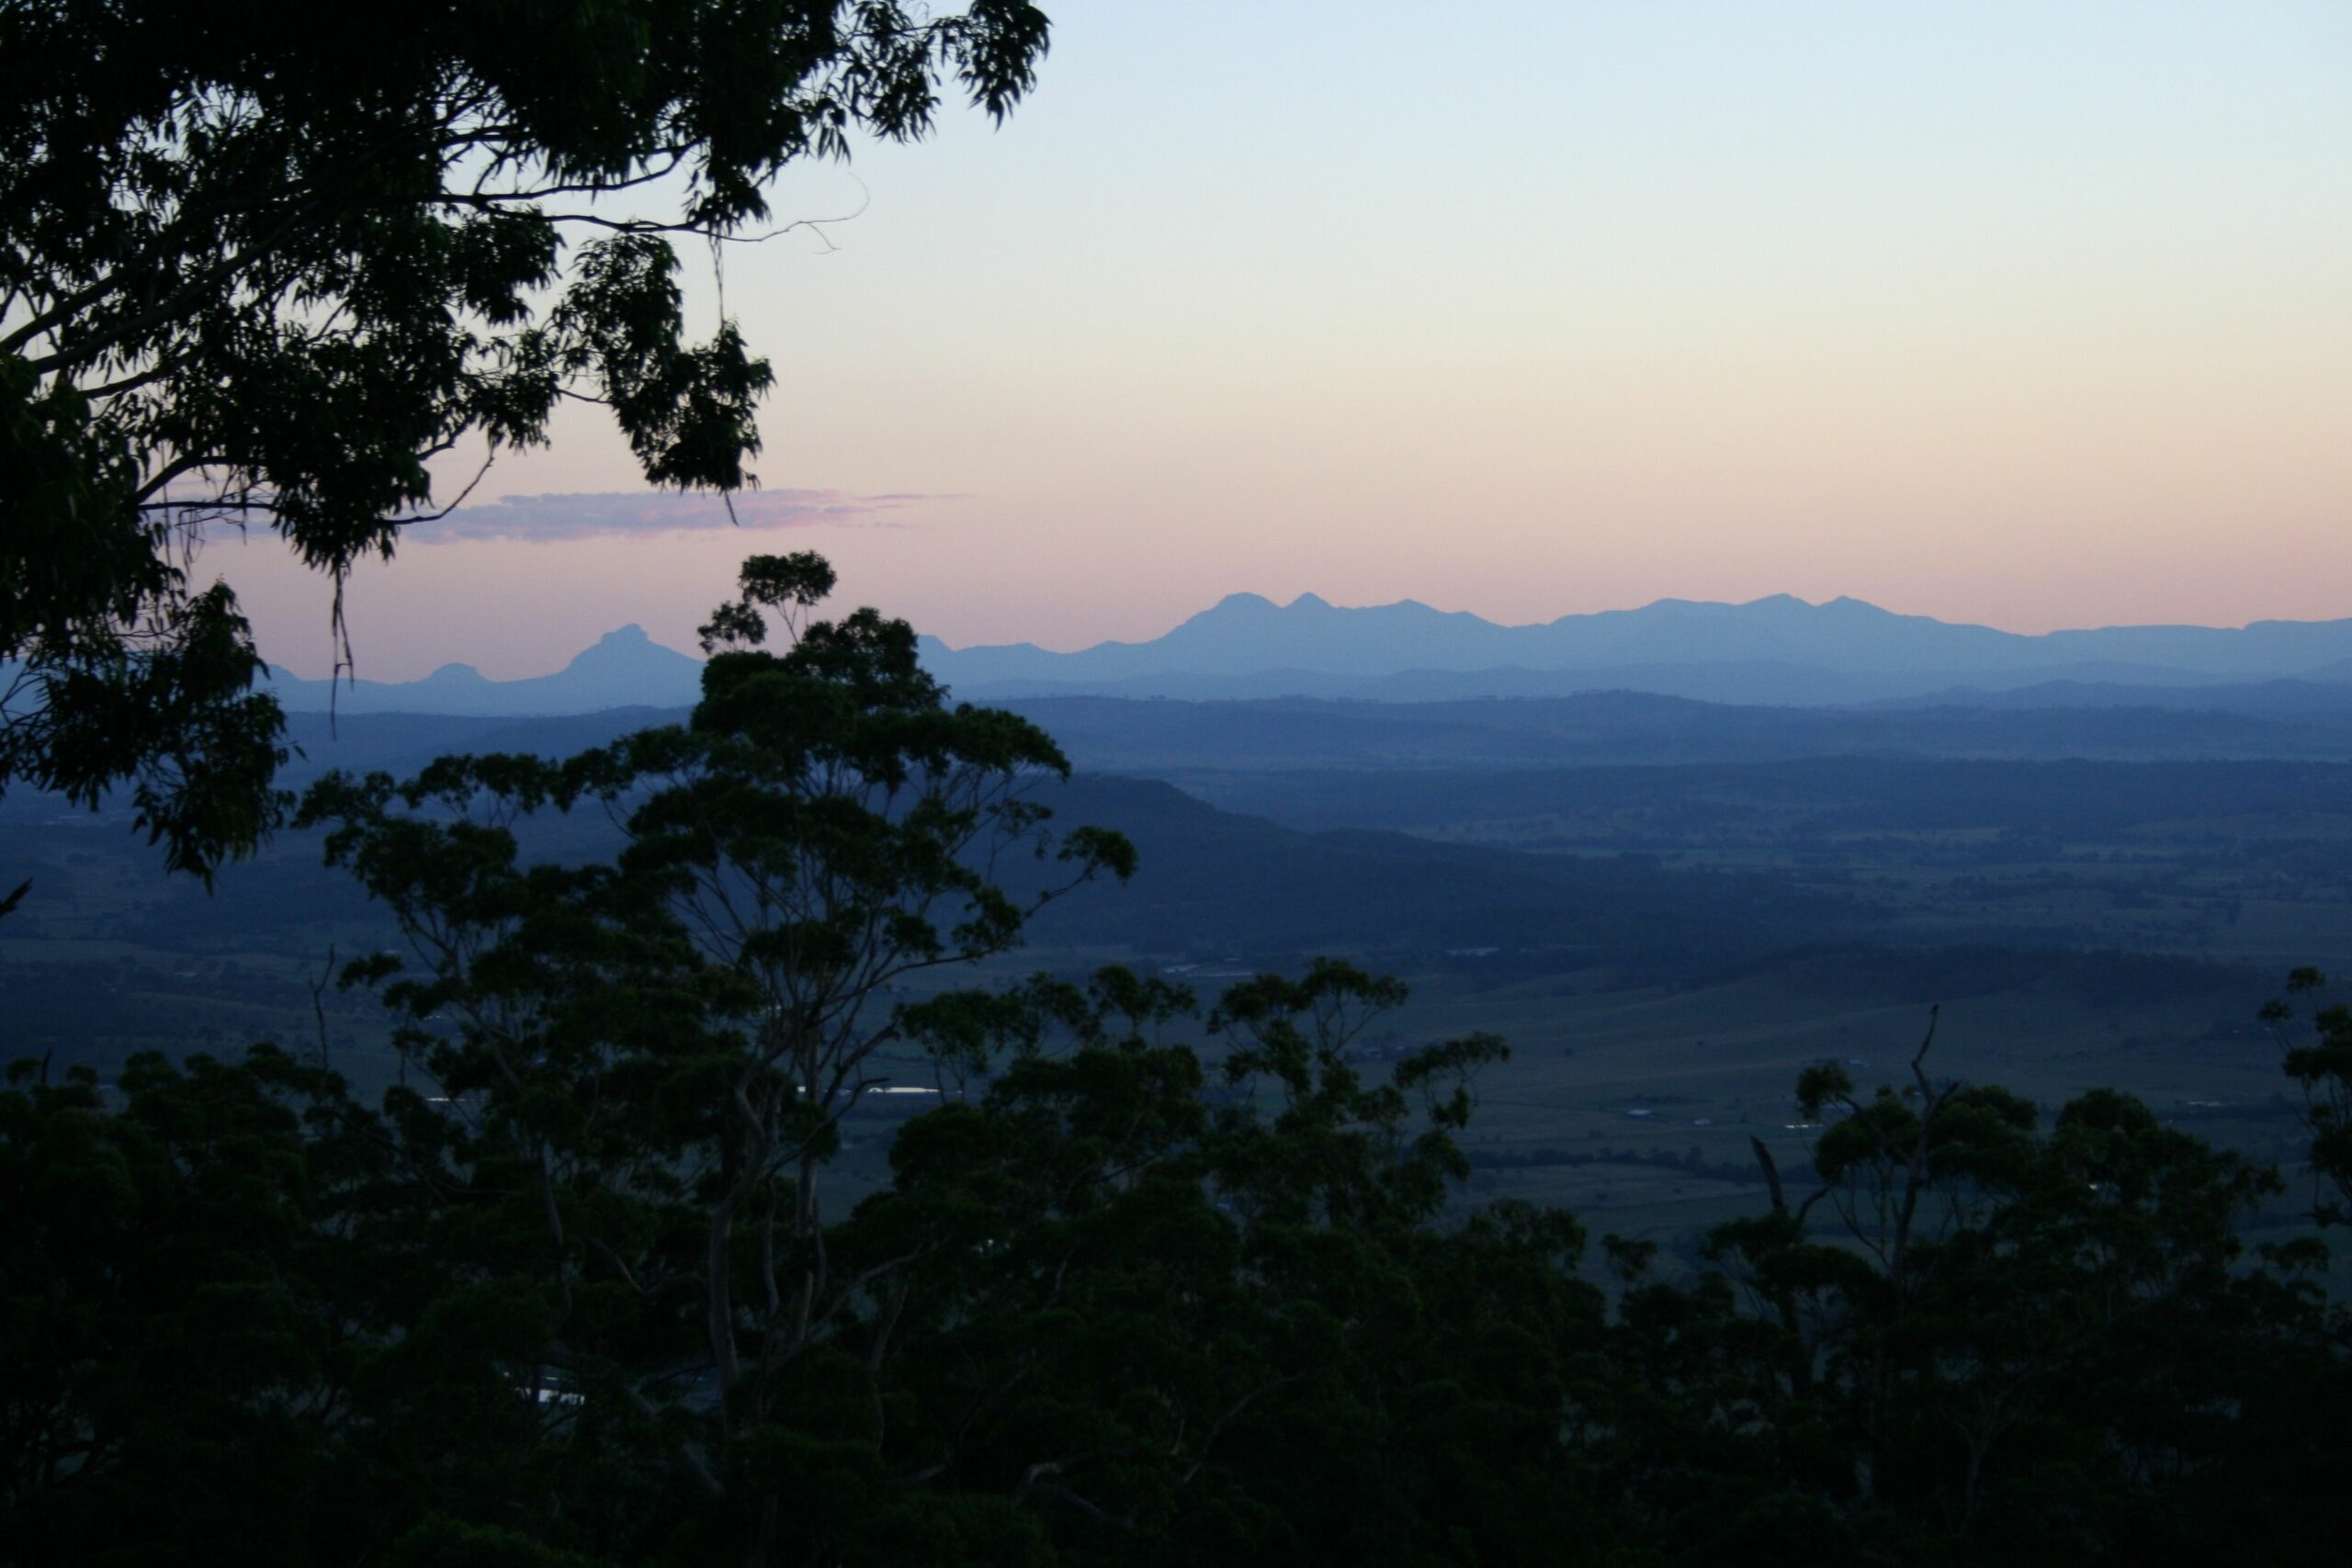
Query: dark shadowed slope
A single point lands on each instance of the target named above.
(1171, 738)
(1217, 883)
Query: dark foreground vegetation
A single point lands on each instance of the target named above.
(1144, 1281)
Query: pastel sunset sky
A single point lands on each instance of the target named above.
(2031, 314)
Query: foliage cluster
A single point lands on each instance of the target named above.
(262, 263)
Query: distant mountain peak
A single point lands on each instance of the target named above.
(627, 647)
(625, 667)
(1779, 648)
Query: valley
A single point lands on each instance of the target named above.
(1663, 945)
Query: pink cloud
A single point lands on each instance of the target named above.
(550, 518)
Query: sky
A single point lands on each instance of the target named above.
(2025, 314)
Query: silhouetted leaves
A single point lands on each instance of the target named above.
(263, 265)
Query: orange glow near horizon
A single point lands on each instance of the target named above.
(2029, 316)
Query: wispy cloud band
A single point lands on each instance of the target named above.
(549, 519)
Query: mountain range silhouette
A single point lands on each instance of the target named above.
(1779, 649)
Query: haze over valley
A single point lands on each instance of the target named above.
(1744, 836)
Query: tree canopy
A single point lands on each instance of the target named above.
(262, 263)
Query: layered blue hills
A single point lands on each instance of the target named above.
(1779, 650)
(625, 669)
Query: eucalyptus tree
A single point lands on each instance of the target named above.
(1176, 1325)
(2320, 1066)
(643, 1063)
(261, 264)
(826, 827)
(1990, 1340)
